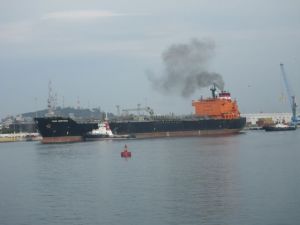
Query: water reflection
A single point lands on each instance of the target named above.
(204, 183)
(242, 179)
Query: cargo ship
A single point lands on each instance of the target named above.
(216, 115)
(62, 129)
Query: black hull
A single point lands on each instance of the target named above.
(280, 128)
(92, 137)
(60, 129)
(170, 128)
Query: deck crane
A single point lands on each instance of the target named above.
(290, 94)
(139, 109)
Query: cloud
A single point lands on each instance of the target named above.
(16, 31)
(83, 15)
(24, 30)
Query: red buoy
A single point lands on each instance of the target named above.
(125, 153)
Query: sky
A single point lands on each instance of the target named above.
(99, 52)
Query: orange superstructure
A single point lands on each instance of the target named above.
(219, 106)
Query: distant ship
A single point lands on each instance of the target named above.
(217, 115)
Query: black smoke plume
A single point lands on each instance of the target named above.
(186, 68)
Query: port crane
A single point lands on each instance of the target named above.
(290, 94)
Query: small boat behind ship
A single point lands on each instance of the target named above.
(280, 127)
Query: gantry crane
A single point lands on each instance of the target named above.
(290, 94)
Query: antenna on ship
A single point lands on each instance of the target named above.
(213, 90)
(35, 106)
(139, 109)
(78, 103)
(118, 109)
(63, 102)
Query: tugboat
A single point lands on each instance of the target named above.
(104, 133)
(280, 127)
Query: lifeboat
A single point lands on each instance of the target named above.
(125, 153)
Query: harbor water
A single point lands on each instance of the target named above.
(245, 179)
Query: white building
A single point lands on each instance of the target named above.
(254, 117)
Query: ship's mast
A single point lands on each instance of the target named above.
(50, 101)
(118, 110)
